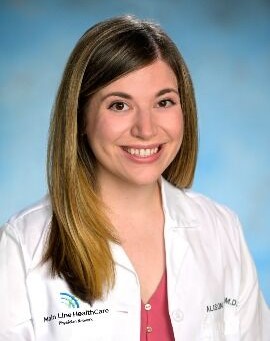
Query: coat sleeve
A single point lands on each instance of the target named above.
(15, 315)
(253, 312)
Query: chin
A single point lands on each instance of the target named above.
(143, 179)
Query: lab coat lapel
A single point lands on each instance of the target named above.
(179, 220)
(120, 257)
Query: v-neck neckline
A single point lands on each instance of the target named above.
(157, 290)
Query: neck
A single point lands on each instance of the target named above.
(130, 202)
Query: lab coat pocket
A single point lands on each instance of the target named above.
(219, 329)
(21, 332)
(124, 324)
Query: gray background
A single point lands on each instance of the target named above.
(226, 46)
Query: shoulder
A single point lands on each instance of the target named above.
(27, 227)
(195, 204)
(22, 241)
(191, 209)
(208, 207)
(35, 214)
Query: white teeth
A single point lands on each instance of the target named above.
(142, 152)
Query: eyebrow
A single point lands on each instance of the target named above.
(166, 91)
(127, 96)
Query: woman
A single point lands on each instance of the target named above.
(119, 250)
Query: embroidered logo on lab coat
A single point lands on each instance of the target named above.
(69, 300)
(77, 311)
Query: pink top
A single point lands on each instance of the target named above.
(155, 319)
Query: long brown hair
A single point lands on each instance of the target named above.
(80, 234)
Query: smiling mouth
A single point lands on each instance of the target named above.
(142, 152)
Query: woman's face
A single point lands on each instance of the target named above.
(135, 125)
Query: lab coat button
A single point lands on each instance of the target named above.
(147, 306)
(149, 329)
(177, 315)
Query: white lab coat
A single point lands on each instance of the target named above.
(213, 290)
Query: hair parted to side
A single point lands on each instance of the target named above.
(80, 235)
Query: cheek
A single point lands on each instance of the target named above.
(177, 133)
(175, 127)
(93, 132)
(100, 132)
(96, 137)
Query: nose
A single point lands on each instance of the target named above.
(144, 126)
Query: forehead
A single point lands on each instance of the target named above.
(153, 77)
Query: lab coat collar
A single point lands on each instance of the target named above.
(178, 207)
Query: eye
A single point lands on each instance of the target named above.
(164, 103)
(118, 106)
